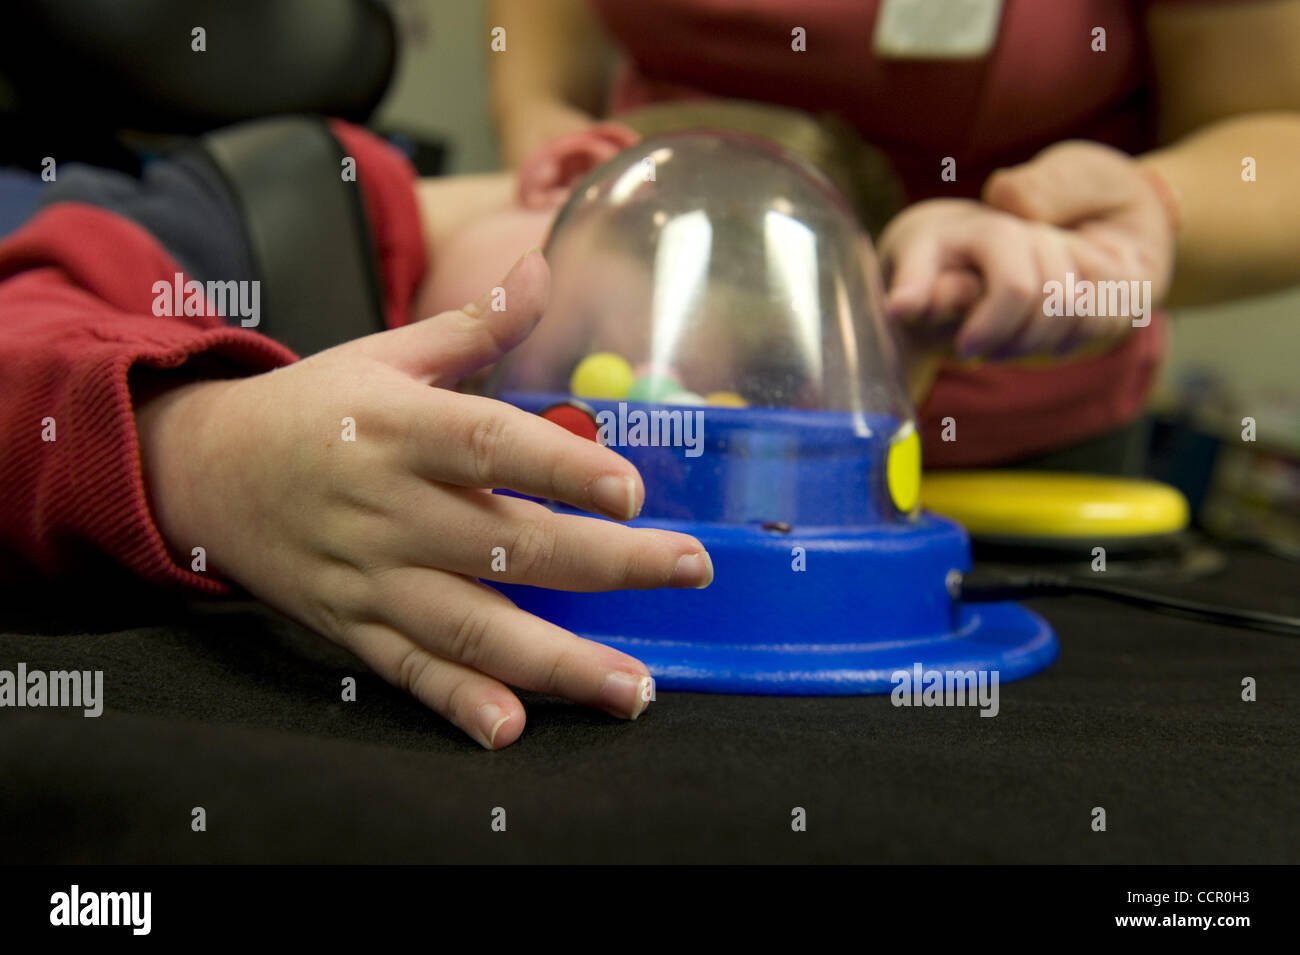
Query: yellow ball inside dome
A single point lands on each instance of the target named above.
(726, 399)
(602, 375)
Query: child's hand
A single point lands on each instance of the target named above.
(375, 541)
(1077, 208)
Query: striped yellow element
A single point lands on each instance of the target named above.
(903, 468)
(1044, 504)
(1083, 352)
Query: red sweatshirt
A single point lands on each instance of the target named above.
(76, 315)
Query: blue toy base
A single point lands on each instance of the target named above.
(822, 586)
(832, 611)
(1002, 637)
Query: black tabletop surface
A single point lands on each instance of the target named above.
(229, 707)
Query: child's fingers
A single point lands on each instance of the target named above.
(1102, 254)
(443, 349)
(468, 622)
(914, 266)
(955, 291)
(1014, 289)
(481, 706)
(509, 540)
(548, 175)
(1044, 333)
(478, 442)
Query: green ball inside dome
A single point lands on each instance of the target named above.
(653, 388)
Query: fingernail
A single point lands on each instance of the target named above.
(693, 570)
(490, 720)
(626, 694)
(615, 495)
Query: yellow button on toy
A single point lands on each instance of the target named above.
(602, 375)
(903, 469)
(1045, 504)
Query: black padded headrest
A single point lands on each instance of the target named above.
(130, 63)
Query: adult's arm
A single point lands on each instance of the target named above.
(552, 75)
(1228, 86)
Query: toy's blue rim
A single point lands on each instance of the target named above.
(1002, 637)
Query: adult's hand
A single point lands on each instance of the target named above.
(1076, 209)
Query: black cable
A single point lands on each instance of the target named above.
(979, 586)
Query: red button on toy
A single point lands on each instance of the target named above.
(574, 416)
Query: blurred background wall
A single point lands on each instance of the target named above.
(1255, 345)
(441, 85)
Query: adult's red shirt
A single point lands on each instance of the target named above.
(1042, 82)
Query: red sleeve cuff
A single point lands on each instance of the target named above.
(76, 314)
(76, 293)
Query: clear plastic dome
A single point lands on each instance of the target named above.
(719, 291)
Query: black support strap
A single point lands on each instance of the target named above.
(307, 229)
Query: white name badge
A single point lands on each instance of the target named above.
(936, 29)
